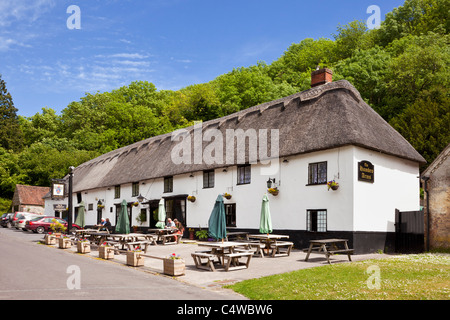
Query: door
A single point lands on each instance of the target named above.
(409, 231)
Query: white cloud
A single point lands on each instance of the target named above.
(23, 10)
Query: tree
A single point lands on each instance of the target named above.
(11, 136)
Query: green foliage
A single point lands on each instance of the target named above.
(11, 136)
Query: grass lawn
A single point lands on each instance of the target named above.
(417, 276)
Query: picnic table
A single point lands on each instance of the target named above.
(223, 251)
(237, 234)
(328, 247)
(279, 248)
(167, 235)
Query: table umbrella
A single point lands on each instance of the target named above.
(80, 218)
(123, 225)
(217, 224)
(265, 223)
(161, 215)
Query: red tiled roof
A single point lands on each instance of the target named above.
(31, 195)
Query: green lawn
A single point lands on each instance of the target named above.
(418, 276)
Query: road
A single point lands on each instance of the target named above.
(32, 271)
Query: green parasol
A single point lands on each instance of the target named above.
(80, 217)
(123, 225)
(217, 221)
(265, 223)
(161, 215)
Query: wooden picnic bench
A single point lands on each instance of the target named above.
(255, 247)
(172, 238)
(233, 259)
(328, 247)
(281, 248)
(208, 264)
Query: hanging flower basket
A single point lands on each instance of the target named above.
(227, 196)
(333, 185)
(273, 191)
(191, 198)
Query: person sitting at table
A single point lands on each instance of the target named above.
(170, 223)
(101, 224)
(179, 226)
(107, 225)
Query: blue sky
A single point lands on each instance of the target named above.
(171, 43)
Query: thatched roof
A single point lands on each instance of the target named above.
(323, 117)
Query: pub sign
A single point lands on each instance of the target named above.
(366, 171)
(58, 187)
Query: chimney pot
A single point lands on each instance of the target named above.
(321, 76)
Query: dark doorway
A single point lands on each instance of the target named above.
(409, 231)
(153, 212)
(176, 208)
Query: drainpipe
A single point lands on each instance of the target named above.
(425, 179)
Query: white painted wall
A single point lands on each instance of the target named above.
(355, 206)
(396, 185)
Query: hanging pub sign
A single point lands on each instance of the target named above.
(58, 189)
(366, 171)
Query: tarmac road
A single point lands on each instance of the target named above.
(32, 271)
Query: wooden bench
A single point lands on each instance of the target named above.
(255, 247)
(165, 238)
(233, 259)
(133, 245)
(209, 264)
(281, 248)
(328, 252)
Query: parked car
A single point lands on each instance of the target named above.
(42, 224)
(5, 220)
(17, 215)
(22, 218)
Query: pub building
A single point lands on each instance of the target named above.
(327, 133)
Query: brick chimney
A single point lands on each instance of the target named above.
(321, 76)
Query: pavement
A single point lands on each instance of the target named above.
(259, 267)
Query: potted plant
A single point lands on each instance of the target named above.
(191, 198)
(136, 203)
(64, 242)
(202, 234)
(50, 239)
(273, 191)
(106, 251)
(57, 228)
(174, 265)
(83, 246)
(333, 185)
(134, 257)
(227, 196)
(191, 234)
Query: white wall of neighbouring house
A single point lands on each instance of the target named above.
(395, 186)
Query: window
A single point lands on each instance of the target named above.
(230, 214)
(317, 173)
(116, 192)
(316, 220)
(168, 184)
(90, 206)
(243, 174)
(208, 179)
(135, 189)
